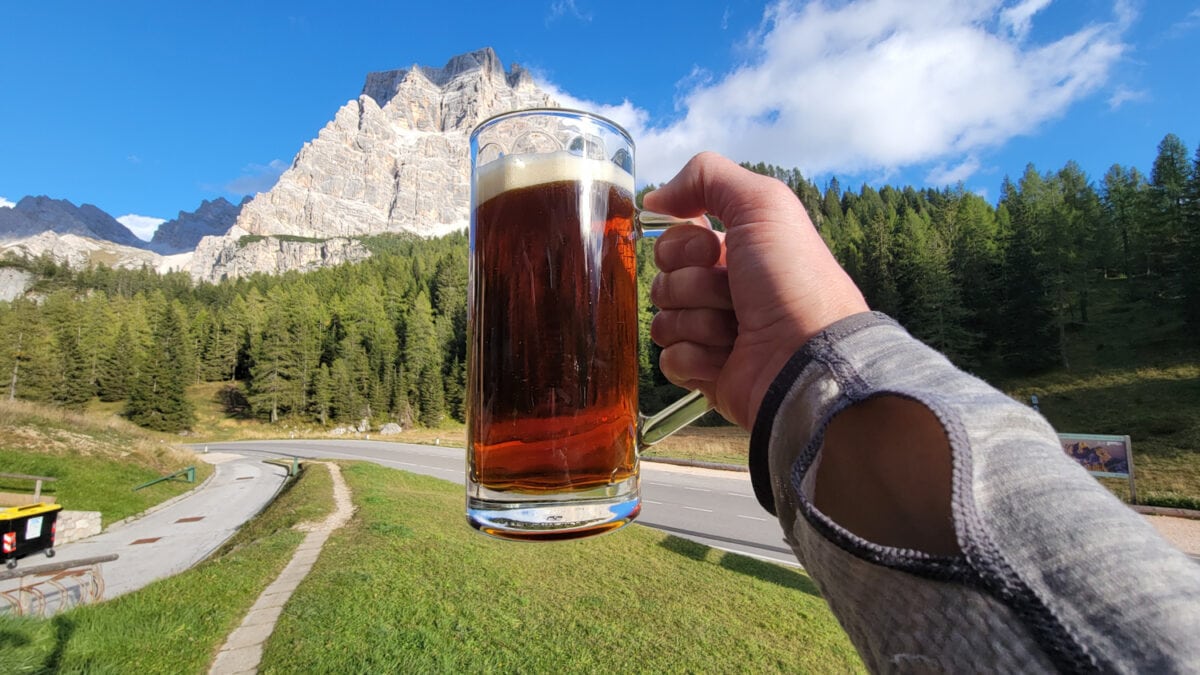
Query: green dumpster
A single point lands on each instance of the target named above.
(27, 529)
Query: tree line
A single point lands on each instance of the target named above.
(995, 287)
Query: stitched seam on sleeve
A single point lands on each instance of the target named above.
(995, 574)
(983, 567)
(760, 434)
(937, 568)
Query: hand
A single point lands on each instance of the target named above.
(735, 308)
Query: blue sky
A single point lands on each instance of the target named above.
(146, 108)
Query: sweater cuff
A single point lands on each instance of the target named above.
(760, 437)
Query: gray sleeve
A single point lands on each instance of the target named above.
(1055, 573)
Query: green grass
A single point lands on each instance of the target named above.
(1134, 373)
(173, 625)
(406, 586)
(97, 460)
(94, 483)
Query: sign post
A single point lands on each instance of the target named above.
(1103, 456)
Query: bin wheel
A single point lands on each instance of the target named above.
(49, 553)
(11, 564)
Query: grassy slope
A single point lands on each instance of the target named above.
(174, 625)
(97, 459)
(1131, 374)
(408, 587)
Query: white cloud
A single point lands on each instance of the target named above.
(1019, 18)
(568, 8)
(876, 85)
(1123, 95)
(4, 203)
(1185, 25)
(942, 175)
(257, 178)
(142, 226)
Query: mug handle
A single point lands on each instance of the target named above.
(653, 428)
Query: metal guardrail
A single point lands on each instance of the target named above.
(67, 584)
(189, 474)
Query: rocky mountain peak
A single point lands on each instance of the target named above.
(396, 159)
(383, 86)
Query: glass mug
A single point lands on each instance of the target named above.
(553, 428)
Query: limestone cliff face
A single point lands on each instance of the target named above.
(393, 160)
(243, 254)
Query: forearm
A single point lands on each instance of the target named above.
(1039, 565)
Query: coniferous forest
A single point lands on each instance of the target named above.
(1001, 288)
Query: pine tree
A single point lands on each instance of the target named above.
(1027, 335)
(113, 373)
(158, 392)
(1168, 179)
(878, 279)
(456, 391)
(30, 366)
(74, 387)
(1123, 198)
(432, 398)
(422, 354)
(321, 395)
(1191, 245)
(931, 307)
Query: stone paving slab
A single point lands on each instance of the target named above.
(242, 651)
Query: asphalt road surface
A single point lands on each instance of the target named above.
(716, 508)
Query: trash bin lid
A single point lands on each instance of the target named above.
(14, 512)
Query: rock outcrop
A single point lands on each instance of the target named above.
(240, 254)
(80, 252)
(394, 160)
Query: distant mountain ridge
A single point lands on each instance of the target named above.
(393, 160)
(212, 218)
(34, 215)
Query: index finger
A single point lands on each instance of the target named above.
(710, 183)
(689, 246)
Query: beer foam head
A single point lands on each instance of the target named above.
(513, 172)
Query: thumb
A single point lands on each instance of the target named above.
(710, 183)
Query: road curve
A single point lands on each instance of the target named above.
(716, 508)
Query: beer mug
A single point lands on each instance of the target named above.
(553, 428)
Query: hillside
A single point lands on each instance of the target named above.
(98, 459)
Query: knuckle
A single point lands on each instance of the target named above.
(659, 330)
(658, 289)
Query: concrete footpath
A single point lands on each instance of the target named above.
(242, 651)
(177, 534)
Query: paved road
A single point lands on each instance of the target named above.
(174, 536)
(716, 508)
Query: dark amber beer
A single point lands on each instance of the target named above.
(553, 422)
(556, 304)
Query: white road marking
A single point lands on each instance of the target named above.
(752, 518)
(696, 489)
(697, 508)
